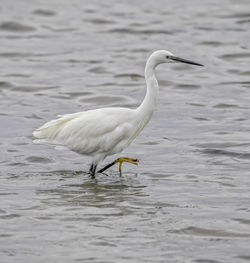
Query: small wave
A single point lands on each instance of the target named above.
(33, 116)
(227, 153)
(25, 54)
(98, 70)
(212, 43)
(132, 76)
(110, 99)
(15, 55)
(32, 88)
(15, 27)
(243, 21)
(146, 32)
(5, 84)
(234, 56)
(200, 119)
(38, 159)
(140, 50)
(18, 75)
(72, 95)
(156, 142)
(239, 72)
(100, 21)
(205, 28)
(43, 12)
(196, 104)
(225, 105)
(197, 231)
(242, 83)
(236, 15)
(9, 216)
(62, 29)
(222, 145)
(186, 86)
(243, 220)
(245, 257)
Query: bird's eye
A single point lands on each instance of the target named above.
(168, 57)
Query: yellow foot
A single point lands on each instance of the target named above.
(127, 160)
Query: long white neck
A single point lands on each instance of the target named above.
(148, 104)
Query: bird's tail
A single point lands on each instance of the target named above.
(48, 132)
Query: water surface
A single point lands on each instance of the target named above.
(188, 200)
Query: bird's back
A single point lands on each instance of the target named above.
(90, 132)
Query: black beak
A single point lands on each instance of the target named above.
(185, 61)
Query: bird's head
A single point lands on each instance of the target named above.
(164, 56)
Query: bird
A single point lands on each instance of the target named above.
(107, 131)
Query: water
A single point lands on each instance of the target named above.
(188, 200)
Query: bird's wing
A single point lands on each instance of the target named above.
(49, 130)
(88, 132)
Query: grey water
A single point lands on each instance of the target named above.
(188, 200)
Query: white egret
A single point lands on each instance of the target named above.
(107, 131)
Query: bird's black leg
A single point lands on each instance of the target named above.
(92, 170)
(107, 166)
(120, 161)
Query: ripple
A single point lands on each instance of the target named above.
(152, 142)
(89, 11)
(140, 50)
(212, 43)
(222, 145)
(206, 261)
(60, 29)
(5, 235)
(25, 54)
(102, 84)
(243, 21)
(38, 159)
(225, 106)
(186, 86)
(32, 88)
(200, 119)
(18, 75)
(144, 32)
(43, 12)
(98, 70)
(227, 153)
(14, 54)
(72, 95)
(196, 231)
(7, 194)
(243, 220)
(109, 99)
(100, 21)
(239, 72)
(5, 84)
(205, 28)
(16, 27)
(32, 116)
(132, 76)
(17, 164)
(236, 15)
(245, 257)
(9, 216)
(234, 56)
(196, 104)
(243, 83)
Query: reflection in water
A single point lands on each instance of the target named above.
(111, 193)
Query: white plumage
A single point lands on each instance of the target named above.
(106, 131)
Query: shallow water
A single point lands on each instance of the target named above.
(188, 199)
